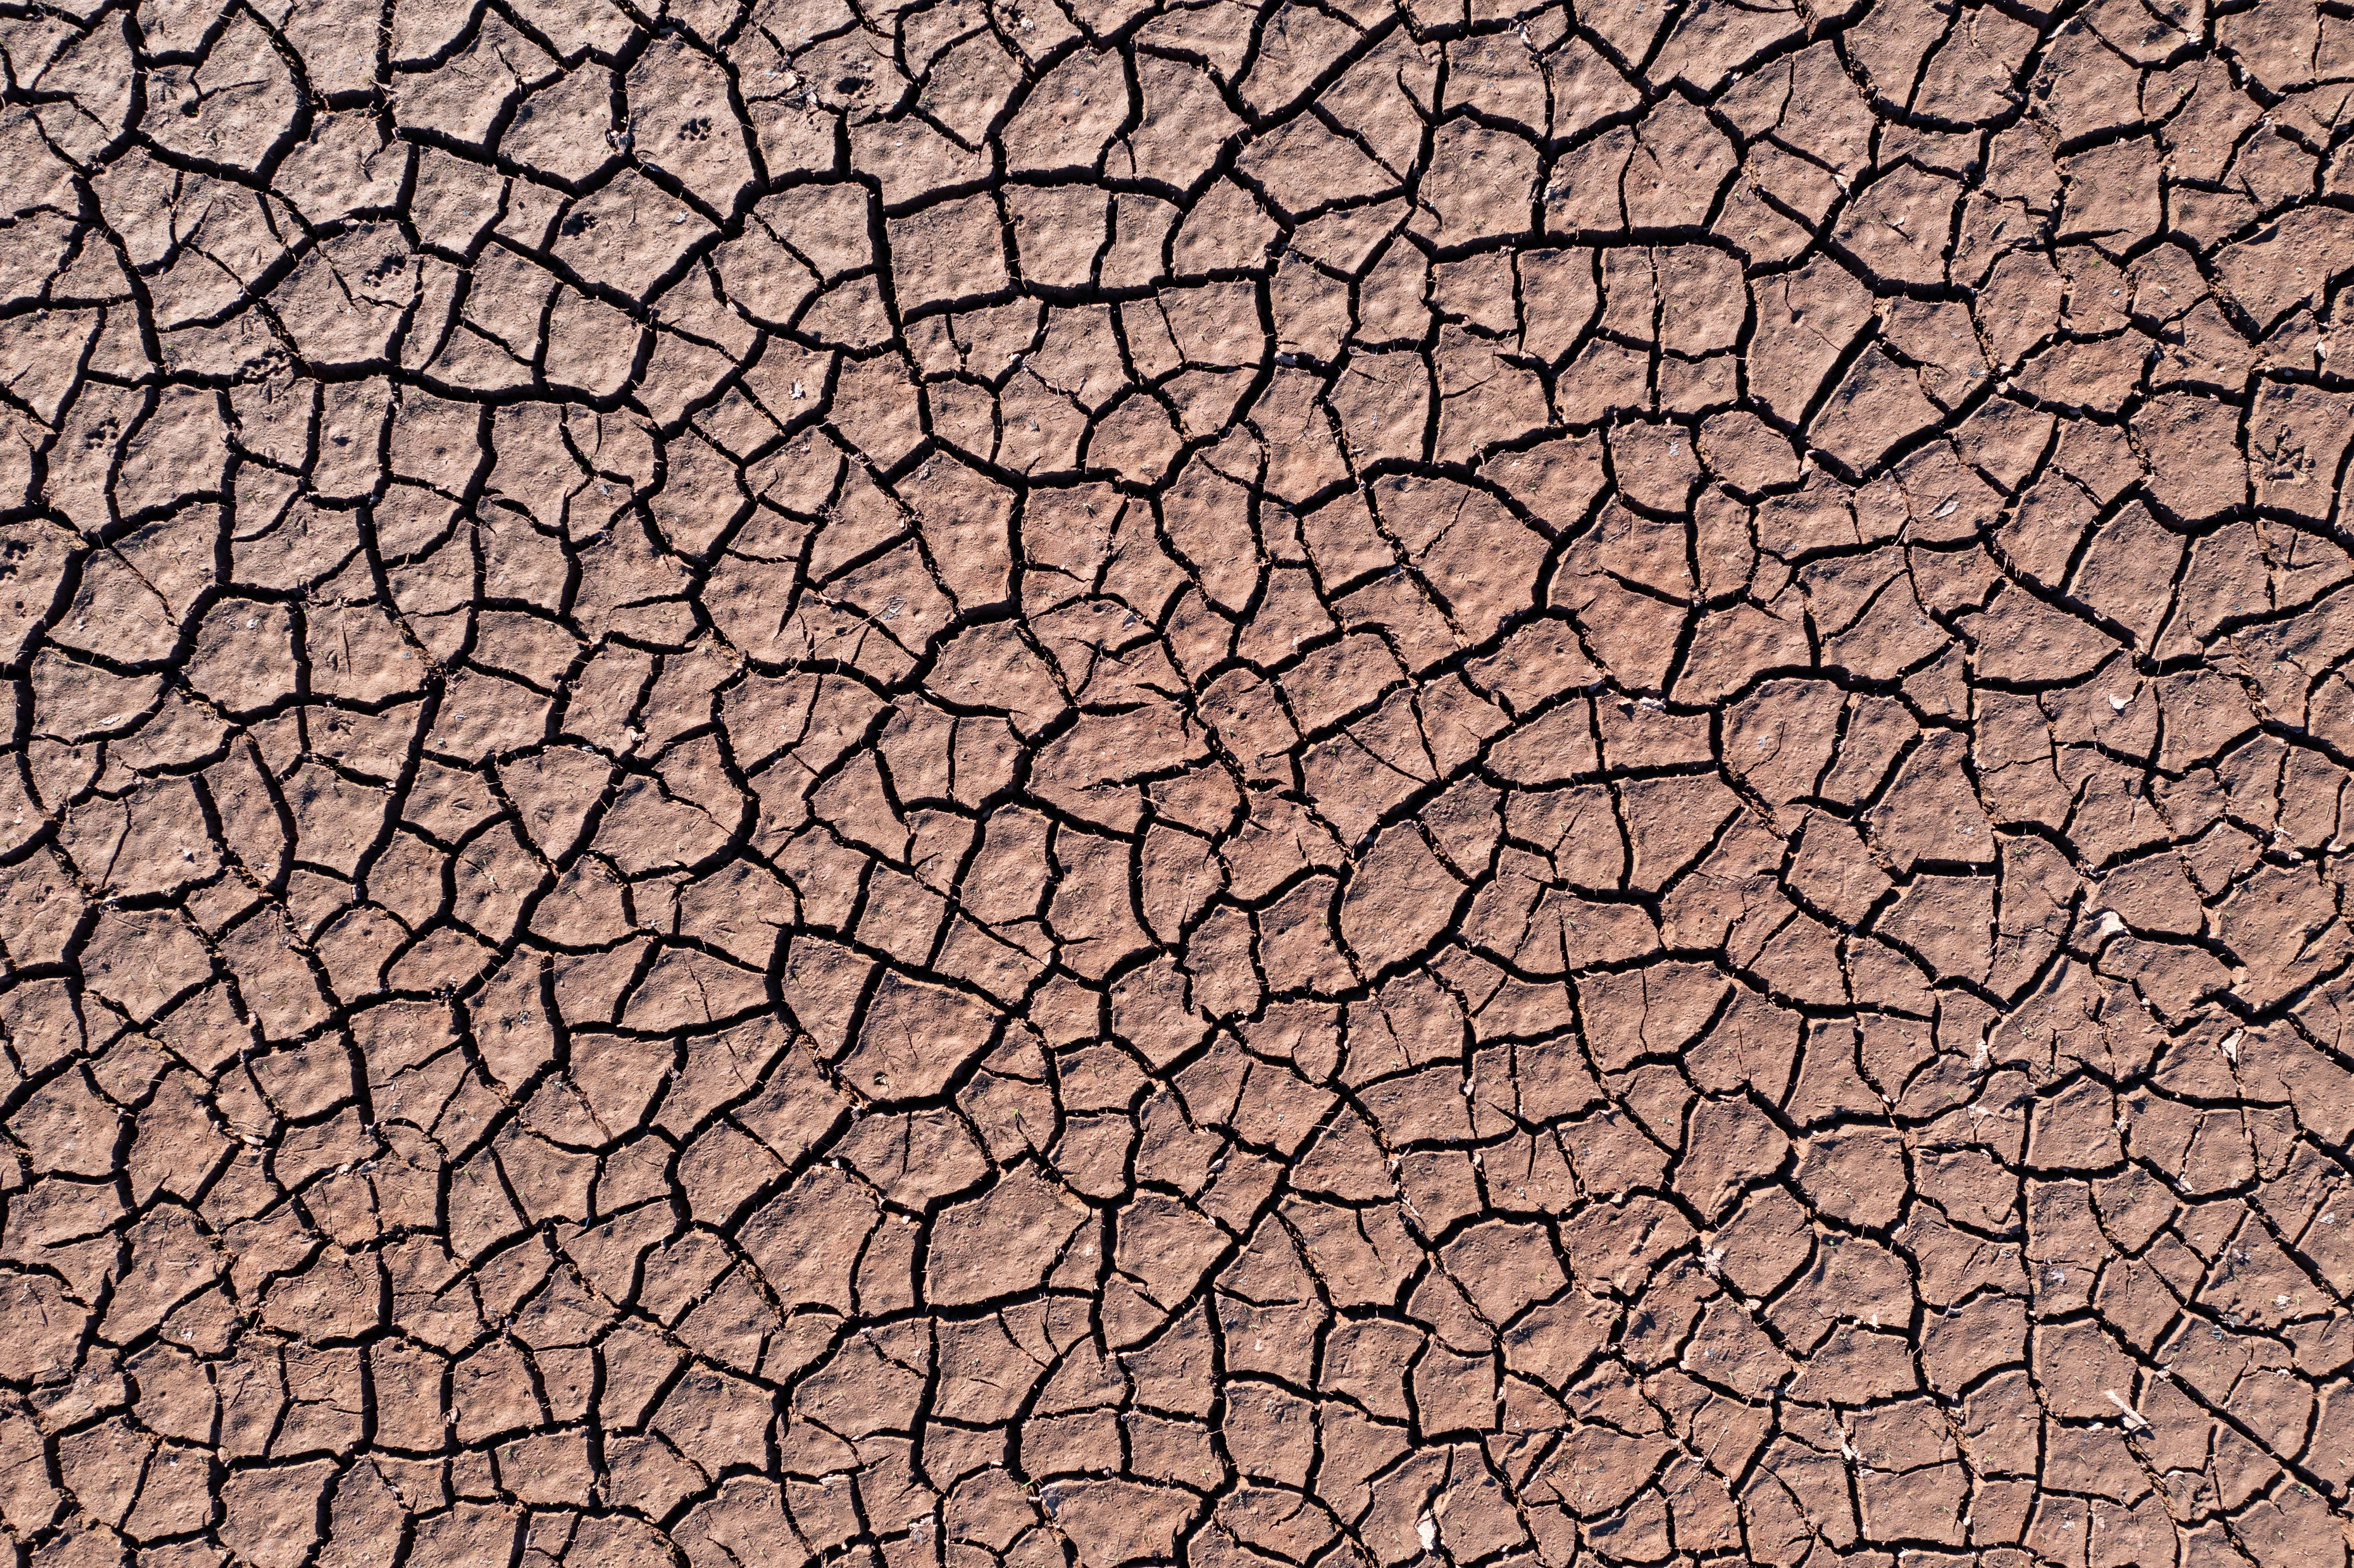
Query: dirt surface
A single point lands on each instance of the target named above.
(1137, 782)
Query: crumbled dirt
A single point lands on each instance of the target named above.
(1060, 786)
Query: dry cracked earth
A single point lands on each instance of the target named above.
(997, 784)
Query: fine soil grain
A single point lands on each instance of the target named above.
(1319, 784)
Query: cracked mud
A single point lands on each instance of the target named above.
(1029, 785)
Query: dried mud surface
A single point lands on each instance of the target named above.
(1061, 786)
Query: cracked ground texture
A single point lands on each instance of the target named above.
(1054, 785)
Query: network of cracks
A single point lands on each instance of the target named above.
(998, 784)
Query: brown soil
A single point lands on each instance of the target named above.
(998, 785)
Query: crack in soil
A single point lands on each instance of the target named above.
(1066, 786)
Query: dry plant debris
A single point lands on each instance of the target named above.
(1343, 783)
